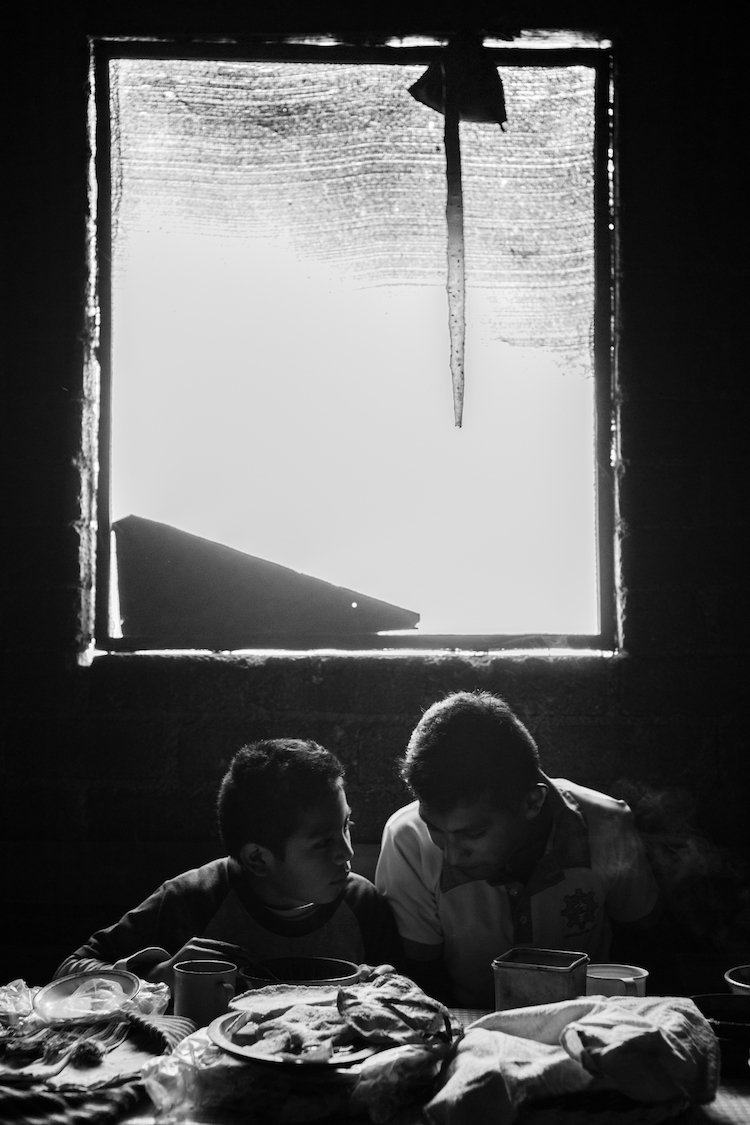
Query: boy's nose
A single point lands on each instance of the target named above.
(451, 851)
(345, 850)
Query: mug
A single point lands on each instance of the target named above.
(203, 989)
(616, 980)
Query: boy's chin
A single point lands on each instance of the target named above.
(330, 893)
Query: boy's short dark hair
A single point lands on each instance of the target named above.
(466, 745)
(269, 787)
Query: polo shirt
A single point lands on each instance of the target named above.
(593, 868)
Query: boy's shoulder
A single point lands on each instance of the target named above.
(594, 805)
(216, 875)
(357, 884)
(360, 894)
(404, 819)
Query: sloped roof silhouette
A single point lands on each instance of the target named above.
(180, 590)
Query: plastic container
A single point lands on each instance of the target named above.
(525, 976)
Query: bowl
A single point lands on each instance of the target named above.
(301, 970)
(85, 997)
(738, 980)
(729, 1017)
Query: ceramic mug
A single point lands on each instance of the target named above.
(616, 980)
(203, 989)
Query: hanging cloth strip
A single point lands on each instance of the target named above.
(463, 85)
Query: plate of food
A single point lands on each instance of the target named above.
(329, 1027)
(302, 1038)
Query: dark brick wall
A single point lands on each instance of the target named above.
(108, 771)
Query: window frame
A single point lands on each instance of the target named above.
(283, 48)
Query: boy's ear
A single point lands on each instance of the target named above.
(256, 859)
(533, 801)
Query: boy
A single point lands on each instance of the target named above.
(495, 854)
(284, 889)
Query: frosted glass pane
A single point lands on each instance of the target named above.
(281, 379)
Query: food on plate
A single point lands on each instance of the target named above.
(275, 999)
(308, 1024)
(391, 1009)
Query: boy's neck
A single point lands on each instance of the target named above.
(291, 911)
(272, 900)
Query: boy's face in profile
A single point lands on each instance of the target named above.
(316, 858)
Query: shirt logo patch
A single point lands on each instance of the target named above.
(580, 909)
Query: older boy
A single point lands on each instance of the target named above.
(285, 888)
(495, 854)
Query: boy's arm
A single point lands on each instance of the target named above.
(405, 876)
(79, 962)
(384, 945)
(381, 938)
(160, 929)
(156, 965)
(426, 967)
(115, 945)
(380, 941)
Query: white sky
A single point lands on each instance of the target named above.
(263, 402)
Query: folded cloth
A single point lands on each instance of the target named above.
(655, 1050)
(162, 1033)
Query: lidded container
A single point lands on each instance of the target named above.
(526, 976)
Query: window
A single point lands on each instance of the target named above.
(280, 463)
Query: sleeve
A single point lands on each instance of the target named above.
(380, 937)
(177, 911)
(135, 930)
(407, 873)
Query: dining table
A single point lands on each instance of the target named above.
(731, 1105)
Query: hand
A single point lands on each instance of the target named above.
(196, 949)
(369, 972)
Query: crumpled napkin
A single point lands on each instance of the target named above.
(654, 1050)
(15, 1002)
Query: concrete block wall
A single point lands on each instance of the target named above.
(108, 770)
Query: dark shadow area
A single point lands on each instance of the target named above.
(705, 927)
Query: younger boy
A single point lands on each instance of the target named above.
(284, 889)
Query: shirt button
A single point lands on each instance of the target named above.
(523, 918)
(513, 892)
